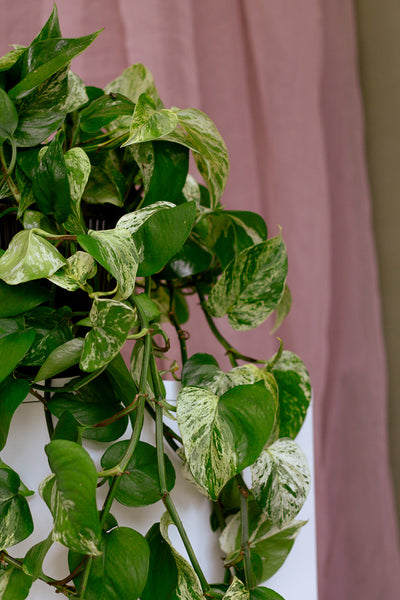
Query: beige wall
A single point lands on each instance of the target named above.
(379, 56)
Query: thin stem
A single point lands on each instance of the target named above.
(7, 171)
(166, 498)
(182, 335)
(47, 413)
(244, 515)
(169, 434)
(232, 353)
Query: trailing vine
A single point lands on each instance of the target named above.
(108, 234)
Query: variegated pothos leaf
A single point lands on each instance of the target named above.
(111, 323)
(78, 168)
(80, 267)
(251, 286)
(224, 434)
(188, 587)
(29, 256)
(237, 591)
(115, 250)
(148, 123)
(281, 481)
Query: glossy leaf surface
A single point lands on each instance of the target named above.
(133, 82)
(148, 123)
(14, 584)
(71, 497)
(121, 570)
(223, 435)
(162, 580)
(251, 286)
(8, 117)
(140, 486)
(29, 256)
(77, 165)
(15, 300)
(60, 359)
(74, 275)
(13, 348)
(35, 556)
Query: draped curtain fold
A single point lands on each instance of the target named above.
(280, 80)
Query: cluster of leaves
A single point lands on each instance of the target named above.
(112, 234)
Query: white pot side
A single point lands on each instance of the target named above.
(296, 580)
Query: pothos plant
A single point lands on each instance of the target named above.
(104, 235)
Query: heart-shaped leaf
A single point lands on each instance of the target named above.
(29, 256)
(281, 481)
(121, 571)
(70, 495)
(140, 485)
(251, 286)
(133, 82)
(223, 435)
(148, 123)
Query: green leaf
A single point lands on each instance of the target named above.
(167, 172)
(251, 286)
(53, 328)
(51, 29)
(231, 232)
(199, 133)
(201, 370)
(34, 219)
(35, 556)
(111, 324)
(188, 586)
(104, 110)
(15, 517)
(133, 82)
(13, 348)
(12, 393)
(15, 300)
(191, 259)
(237, 591)
(223, 435)
(29, 256)
(263, 593)
(140, 486)
(163, 572)
(24, 185)
(269, 546)
(99, 400)
(148, 123)
(71, 497)
(281, 481)
(9, 59)
(159, 232)
(149, 307)
(68, 428)
(43, 58)
(60, 359)
(79, 268)
(8, 117)
(295, 393)
(78, 168)
(283, 309)
(115, 250)
(121, 571)
(50, 185)
(14, 584)
(106, 183)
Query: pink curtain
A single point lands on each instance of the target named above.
(280, 79)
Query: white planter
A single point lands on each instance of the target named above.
(296, 580)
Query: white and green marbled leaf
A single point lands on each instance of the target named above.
(148, 123)
(78, 169)
(111, 323)
(281, 481)
(115, 250)
(133, 82)
(237, 591)
(80, 267)
(251, 286)
(188, 586)
(29, 256)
